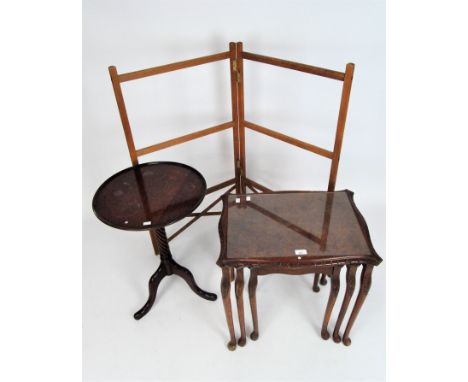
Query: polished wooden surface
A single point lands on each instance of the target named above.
(263, 234)
(289, 264)
(272, 226)
(150, 195)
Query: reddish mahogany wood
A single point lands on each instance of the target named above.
(238, 124)
(326, 224)
(149, 197)
(350, 284)
(226, 294)
(253, 303)
(334, 289)
(240, 304)
(366, 279)
(281, 222)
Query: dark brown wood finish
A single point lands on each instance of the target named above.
(263, 265)
(151, 196)
(277, 222)
(226, 294)
(169, 267)
(366, 277)
(253, 303)
(316, 287)
(334, 289)
(240, 304)
(350, 285)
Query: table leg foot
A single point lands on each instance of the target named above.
(253, 302)
(315, 287)
(242, 341)
(325, 335)
(336, 338)
(346, 341)
(153, 285)
(323, 279)
(183, 272)
(231, 346)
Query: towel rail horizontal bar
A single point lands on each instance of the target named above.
(171, 67)
(295, 66)
(184, 138)
(290, 140)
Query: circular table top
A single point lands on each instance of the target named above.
(149, 195)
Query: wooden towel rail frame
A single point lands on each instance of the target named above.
(238, 124)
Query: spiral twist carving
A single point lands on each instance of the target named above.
(162, 242)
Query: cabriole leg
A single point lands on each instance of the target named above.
(366, 281)
(225, 292)
(334, 289)
(350, 284)
(240, 304)
(253, 303)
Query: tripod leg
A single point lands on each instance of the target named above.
(153, 288)
(183, 272)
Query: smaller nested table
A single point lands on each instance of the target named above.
(294, 233)
(151, 196)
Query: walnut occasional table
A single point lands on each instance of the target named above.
(294, 233)
(151, 196)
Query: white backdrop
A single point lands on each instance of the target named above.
(184, 337)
